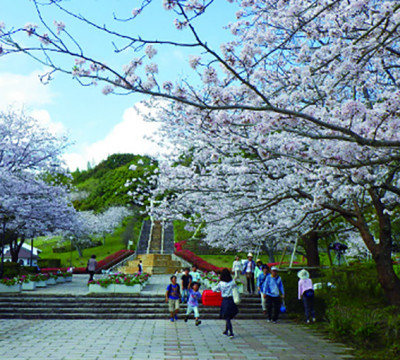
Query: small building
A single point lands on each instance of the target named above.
(24, 255)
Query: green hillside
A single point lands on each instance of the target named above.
(99, 188)
(105, 184)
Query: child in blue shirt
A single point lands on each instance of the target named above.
(271, 289)
(193, 303)
(172, 298)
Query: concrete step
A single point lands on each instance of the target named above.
(88, 316)
(107, 307)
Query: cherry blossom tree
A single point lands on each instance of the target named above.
(104, 223)
(32, 202)
(307, 90)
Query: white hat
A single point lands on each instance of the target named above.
(249, 254)
(303, 274)
(274, 268)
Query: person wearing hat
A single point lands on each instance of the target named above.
(306, 291)
(258, 269)
(248, 269)
(273, 290)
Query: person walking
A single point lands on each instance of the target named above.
(140, 267)
(236, 268)
(260, 282)
(193, 303)
(306, 291)
(186, 280)
(196, 277)
(273, 290)
(248, 270)
(91, 267)
(258, 269)
(172, 297)
(228, 308)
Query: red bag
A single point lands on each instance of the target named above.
(211, 298)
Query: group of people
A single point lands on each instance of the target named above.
(270, 287)
(267, 280)
(190, 282)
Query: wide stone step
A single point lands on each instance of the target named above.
(107, 306)
(159, 309)
(122, 316)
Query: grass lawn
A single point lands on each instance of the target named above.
(222, 260)
(113, 243)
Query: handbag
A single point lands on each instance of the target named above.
(236, 295)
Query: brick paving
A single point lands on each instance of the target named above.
(161, 339)
(158, 339)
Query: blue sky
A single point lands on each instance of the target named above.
(97, 124)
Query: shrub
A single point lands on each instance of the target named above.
(11, 269)
(49, 263)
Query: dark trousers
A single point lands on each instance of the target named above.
(251, 288)
(273, 307)
(91, 273)
(308, 302)
(228, 327)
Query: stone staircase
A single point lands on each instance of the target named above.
(30, 306)
(152, 264)
(155, 249)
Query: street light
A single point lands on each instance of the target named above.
(70, 251)
(3, 240)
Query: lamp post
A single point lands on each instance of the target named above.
(70, 251)
(31, 261)
(3, 240)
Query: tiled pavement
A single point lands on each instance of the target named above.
(158, 339)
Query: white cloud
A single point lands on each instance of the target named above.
(24, 91)
(28, 93)
(131, 135)
(44, 119)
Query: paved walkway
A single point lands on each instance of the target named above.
(157, 339)
(161, 340)
(157, 285)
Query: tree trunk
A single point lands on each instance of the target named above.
(15, 246)
(381, 251)
(387, 277)
(311, 247)
(269, 249)
(78, 249)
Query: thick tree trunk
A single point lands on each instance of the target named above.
(15, 246)
(387, 277)
(381, 251)
(311, 247)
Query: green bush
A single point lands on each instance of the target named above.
(11, 269)
(26, 270)
(49, 263)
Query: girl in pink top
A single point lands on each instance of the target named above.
(307, 292)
